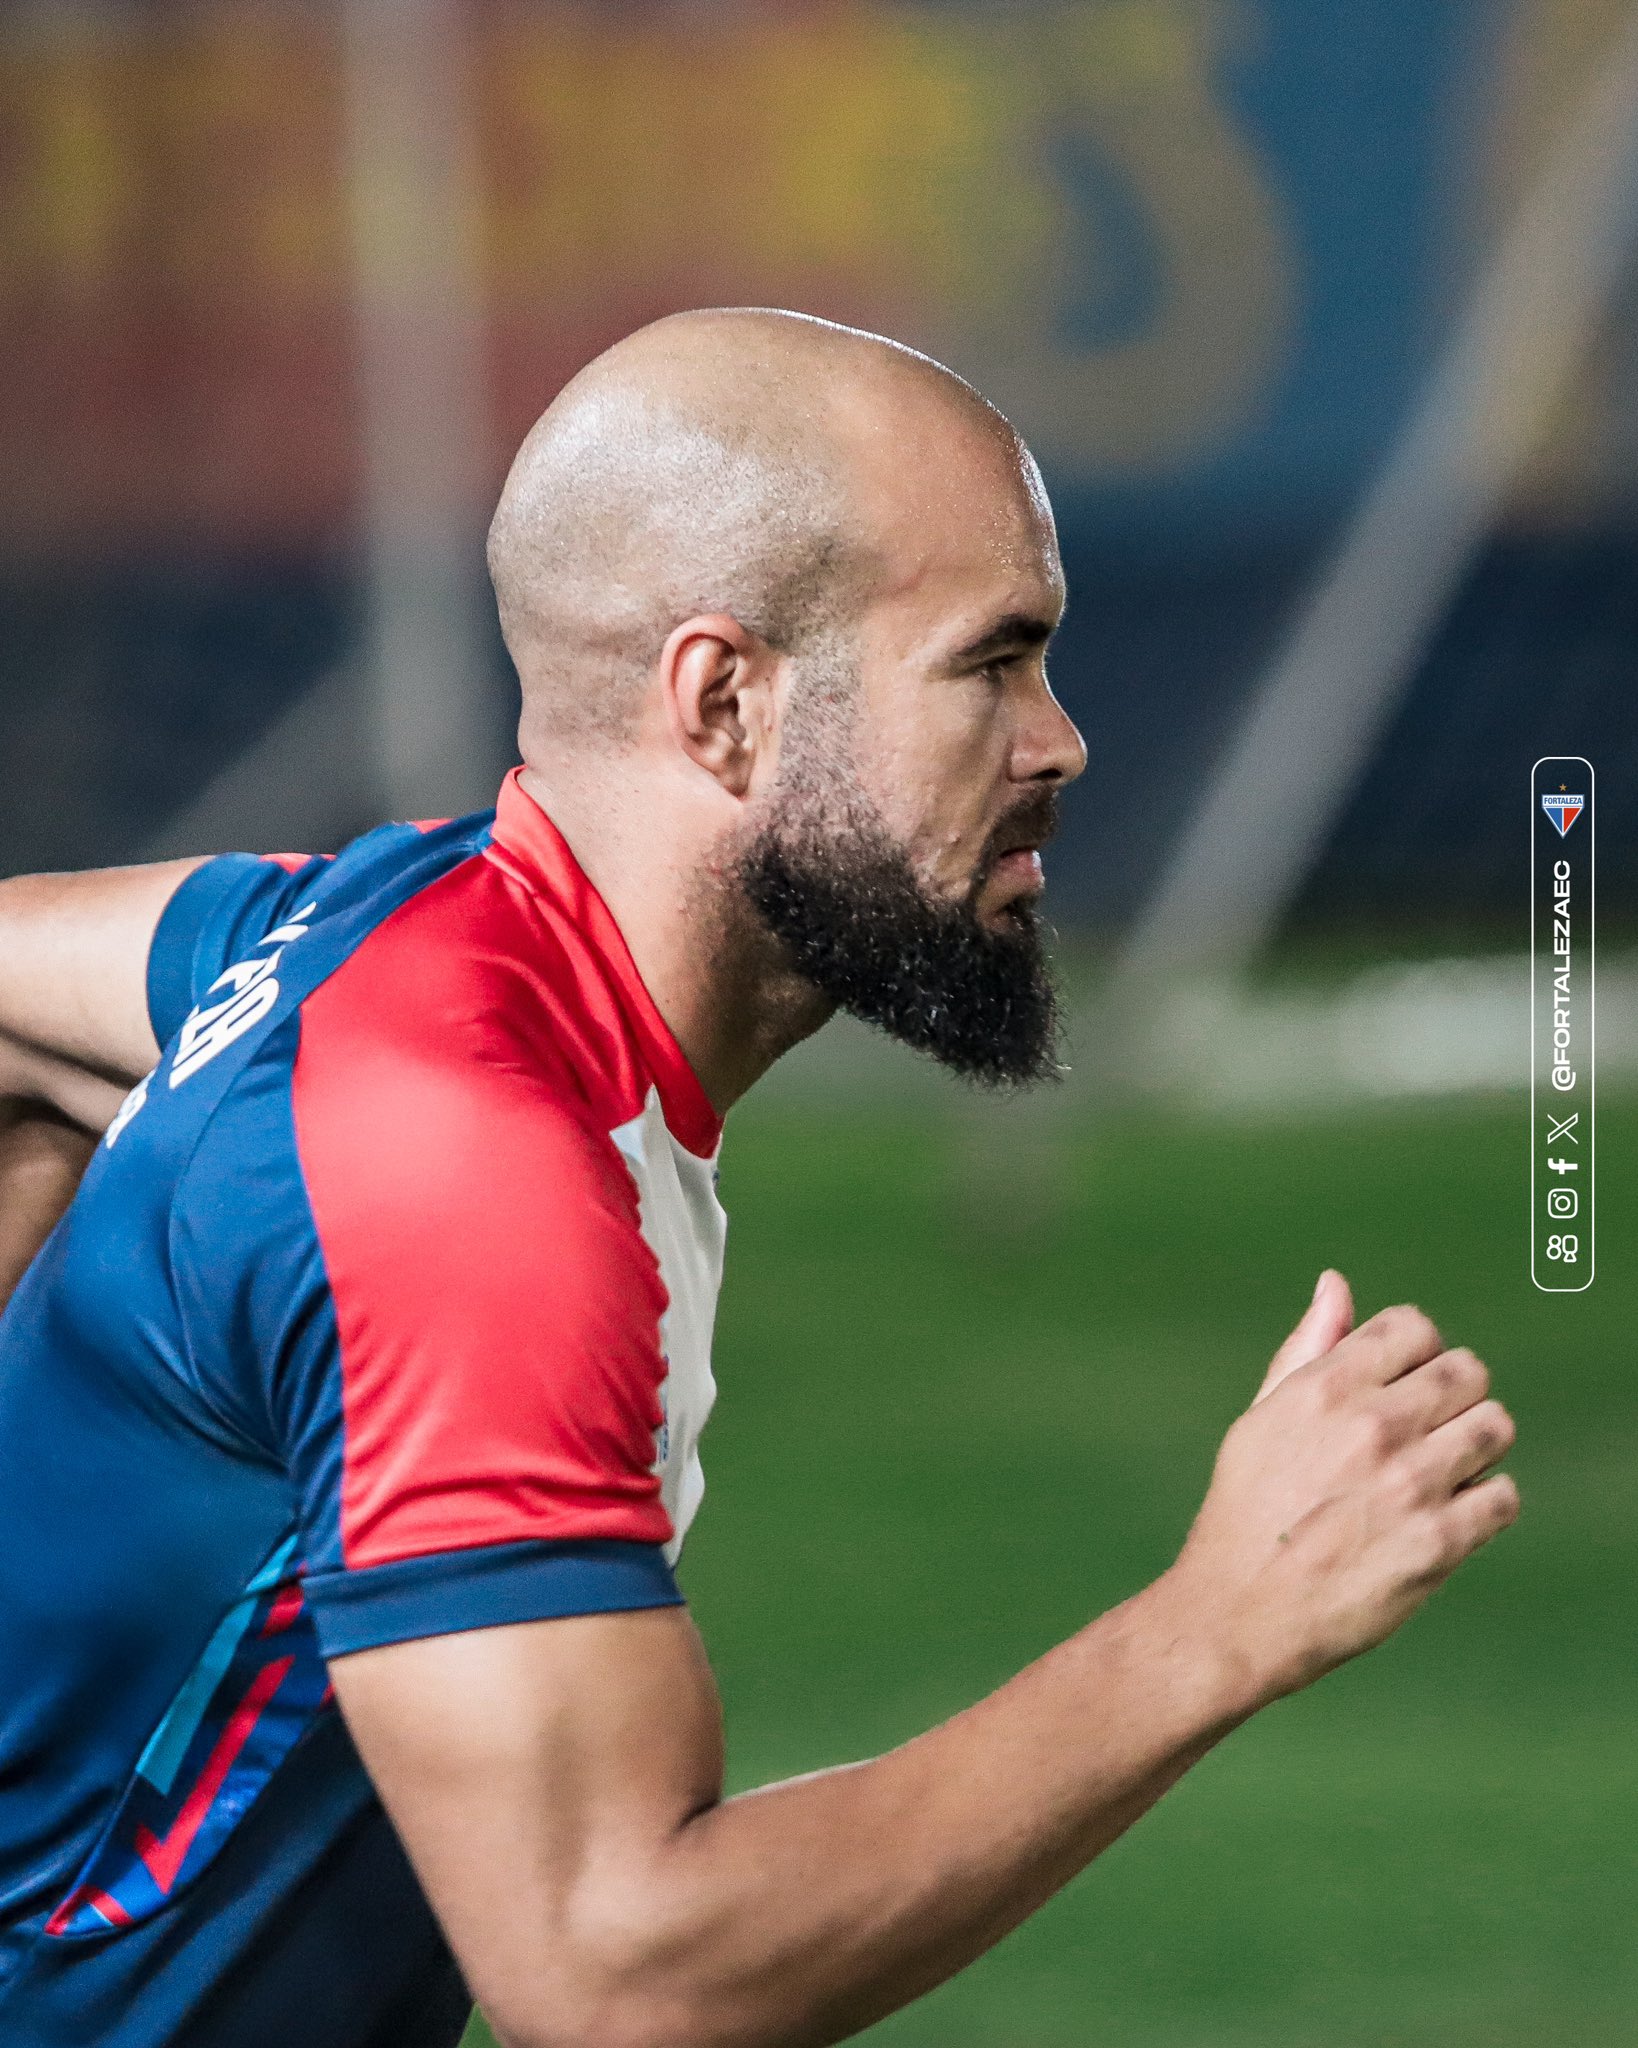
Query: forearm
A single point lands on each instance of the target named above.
(558, 1783)
(74, 1025)
(42, 1156)
(803, 1912)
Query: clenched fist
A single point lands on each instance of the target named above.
(1349, 1489)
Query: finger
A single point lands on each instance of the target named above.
(1394, 1342)
(1461, 1449)
(1327, 1319)
(1427, 1396)
(1480, 1512)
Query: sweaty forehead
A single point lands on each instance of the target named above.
(957, 516)
(912, 442)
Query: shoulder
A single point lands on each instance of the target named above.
(440, 1054)
(459, 1175)
(496, 1306)
(427, 1149)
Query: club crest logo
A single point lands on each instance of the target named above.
(1563, 810)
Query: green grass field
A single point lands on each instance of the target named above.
(944, 1439)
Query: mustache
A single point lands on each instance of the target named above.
(1032, 821)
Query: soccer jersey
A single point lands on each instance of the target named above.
(384, 1310)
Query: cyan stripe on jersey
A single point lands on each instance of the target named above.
(162, 1759)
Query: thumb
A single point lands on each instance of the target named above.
(1326, 1321)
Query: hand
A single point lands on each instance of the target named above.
(1349, 1489)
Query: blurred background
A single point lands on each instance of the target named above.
(1324, 324)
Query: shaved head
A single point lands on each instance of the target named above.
(714, 462)
(779, 594)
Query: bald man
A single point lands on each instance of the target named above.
(349, 1421)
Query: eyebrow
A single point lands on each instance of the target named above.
(1011, 634)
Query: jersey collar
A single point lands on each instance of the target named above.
(536, 851)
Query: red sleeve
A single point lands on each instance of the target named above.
(497, 1307)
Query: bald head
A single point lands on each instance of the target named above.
(732, 461)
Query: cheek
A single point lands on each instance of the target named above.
(934, 779)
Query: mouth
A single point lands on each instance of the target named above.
(1015, 857)
(1010, 871)
(1019, 867)
(1012, 884)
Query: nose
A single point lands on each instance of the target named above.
(1048, 747)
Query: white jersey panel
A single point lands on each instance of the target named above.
(685, 1227)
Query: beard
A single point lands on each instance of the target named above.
(839, 893)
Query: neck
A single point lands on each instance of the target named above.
(716, 976)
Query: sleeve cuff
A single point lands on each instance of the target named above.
(205, 898)
(484, 1587)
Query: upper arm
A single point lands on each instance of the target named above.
(535, 1773)
(469, 1402)
(444, 1321)
(471, 1419)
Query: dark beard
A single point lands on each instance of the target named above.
(845, 904)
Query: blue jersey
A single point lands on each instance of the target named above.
(384, 1310)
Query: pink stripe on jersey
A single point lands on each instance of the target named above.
(87, 1895)
(165, 1856)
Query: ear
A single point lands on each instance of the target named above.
(717, 679)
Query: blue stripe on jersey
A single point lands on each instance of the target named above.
(502, 1582)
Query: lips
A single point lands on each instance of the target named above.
(1026, 831)
(1018, 863)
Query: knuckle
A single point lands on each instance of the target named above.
(1493, 1429)
(1504, 1501)
(1473, 1371)
(1446, 1374)
(1405, 1330)
(1458, 1374)
(1418, 1330)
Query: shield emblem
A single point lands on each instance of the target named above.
(1563, 810)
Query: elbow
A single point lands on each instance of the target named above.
(612, 2016)
(613, 2028)
(39, 1088)
(631, 1988)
